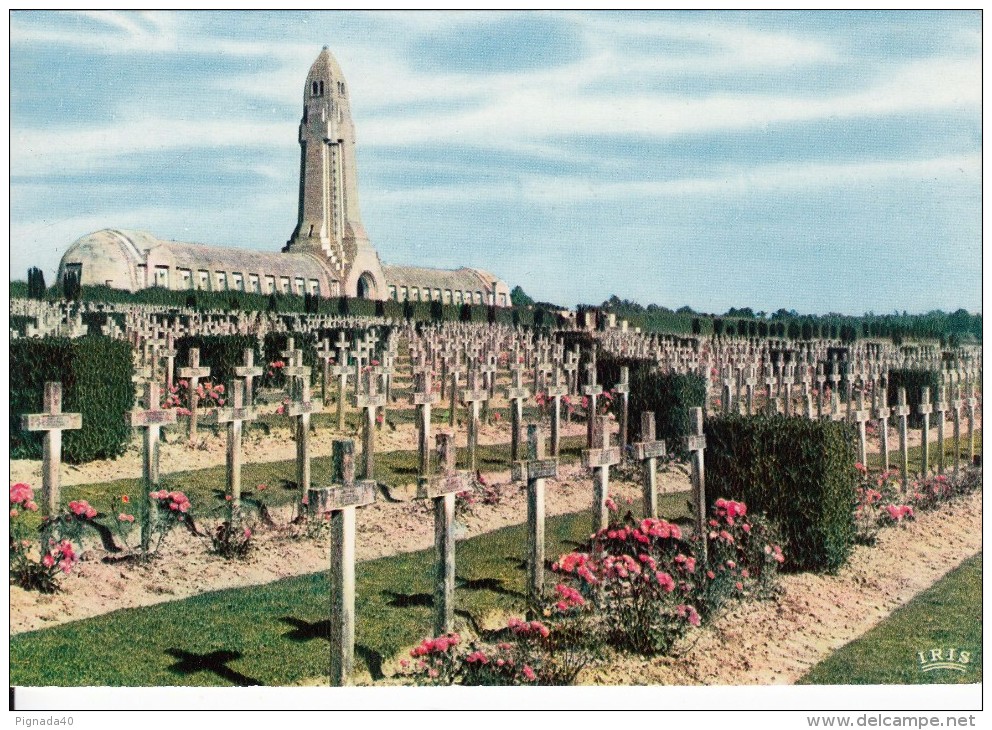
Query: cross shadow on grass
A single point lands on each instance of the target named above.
(372, 659)
(216, 662)
(305, 630)
(408, 600)
(487, 584)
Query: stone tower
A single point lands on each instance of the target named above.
(329, 223)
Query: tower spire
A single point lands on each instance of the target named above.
(329, 221)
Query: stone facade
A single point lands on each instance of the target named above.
(328, 253)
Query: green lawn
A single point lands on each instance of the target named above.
(275, 634)
(947, 615)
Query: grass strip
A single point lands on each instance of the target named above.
(947, 615)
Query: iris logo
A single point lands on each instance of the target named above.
(951, 659)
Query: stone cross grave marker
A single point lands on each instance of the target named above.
(340, 500)
(423, 398)
(472, 397)
(534, 470)
(971, 402)
(727, 390)
(821, 380)
(290, 353)
(248, 372)
(143, 374)
(53, 422)
(695, 443)
(341, 371)
(647, 451)
(300, 410)
(956, 404)
(442, 490)
(516, 394)
(591, 390)
(325, 353)
(834, 376)
(192, 374)
(571, 368)
(770, 382)
(787, 381)
(369, 401)
(861, 416)
(556, 391)
(453, 405)
(835, 413)
(751, 381)
(388, 370)
(901, 411)
(881, 413)
(600, 459)
(489, 371)
(925, 409)
(150, 421)
(234, 416)
(941, 409)
(623, 390)
(169, 353)
(358, 355)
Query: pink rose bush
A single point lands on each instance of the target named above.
(524, 653)
(59, 557)
(882, 502)
(645, 587)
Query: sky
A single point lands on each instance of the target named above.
(821, 161)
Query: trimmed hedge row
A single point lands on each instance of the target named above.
(291, 303)
(95, 373)
(914, 381)
(670, 396)
(799, 472)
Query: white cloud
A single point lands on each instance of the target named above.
(34, 154)
(745, 181)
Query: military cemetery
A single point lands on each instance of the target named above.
(322, 470)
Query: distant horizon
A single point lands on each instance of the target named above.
(817, 161)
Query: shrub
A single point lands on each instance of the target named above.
(95, 373)
(30, 574)
(743, 556)
(232, 540)
(550, 652)
(644, 581)
(799, 472)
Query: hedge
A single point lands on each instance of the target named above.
(914, 381)
(670, 396)
(95, 373)
(799, 472)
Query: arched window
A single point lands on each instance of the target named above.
(321, 88)
(313, 88)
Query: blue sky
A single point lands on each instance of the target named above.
(817, 161)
